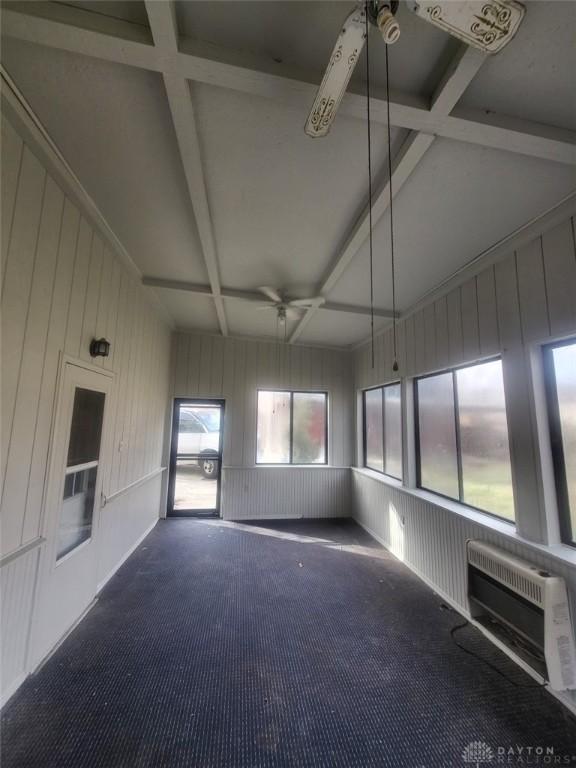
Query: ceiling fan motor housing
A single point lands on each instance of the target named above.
(383, 16)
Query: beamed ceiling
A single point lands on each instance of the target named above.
(184, 123)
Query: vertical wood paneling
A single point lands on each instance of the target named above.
(469, 309)
(17, 582)
(90, 313)
(79, 285)
(17, 285)
(532, 292)
(61, 287)
(429, 319)
(20, 445)
(235, 370)
(455, 347)
(420, 362)
(280, 493)
(488, 331)
(441, 322)
(11, 157)
(54, 340)
(508, 303)
(432, 541)
(560, 269)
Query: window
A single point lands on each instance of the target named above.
(292, 428)
(383, 430)
(560, 378)
(81, 470)
(463, 450)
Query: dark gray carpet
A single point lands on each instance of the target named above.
(295, 644)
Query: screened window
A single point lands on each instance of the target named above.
(560, 368)
(463, 449)
(81, 471)
(383, 430)
(292, 428)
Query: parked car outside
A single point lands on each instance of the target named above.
(199, 438)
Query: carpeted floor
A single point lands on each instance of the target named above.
(297, 644)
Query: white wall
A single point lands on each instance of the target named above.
(233, 369)
(526, 297)
(62, 285)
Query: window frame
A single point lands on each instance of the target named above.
(382, 471)
(417, 451)
(567, 535)
(291, 463)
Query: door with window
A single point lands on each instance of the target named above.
(70, 563)
(196, 458)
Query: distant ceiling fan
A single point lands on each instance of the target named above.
(286, 308)
(484, 24)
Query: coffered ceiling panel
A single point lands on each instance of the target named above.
(461, 200)
(281, 202)
(113, 126)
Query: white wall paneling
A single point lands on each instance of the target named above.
(526, 296)
(508, 307)
(431, 540)
(63, 284)
(270, 493)
(233, 369)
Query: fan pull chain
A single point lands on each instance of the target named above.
(395, 363)
(369, 184)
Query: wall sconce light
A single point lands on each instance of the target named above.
(99, 348)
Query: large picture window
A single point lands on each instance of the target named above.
(462, 437)
(292, 427)
(383, 430)
(560, 377)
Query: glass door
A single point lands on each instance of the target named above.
(196, 458)
(68, 580)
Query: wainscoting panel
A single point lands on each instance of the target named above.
(17, 584)
(267, 493)
(431, 540)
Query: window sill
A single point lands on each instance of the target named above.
(561, 552)
(287, 466)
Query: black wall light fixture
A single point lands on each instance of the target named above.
(99, 348)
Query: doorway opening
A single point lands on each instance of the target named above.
(196, 458)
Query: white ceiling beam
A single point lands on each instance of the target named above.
(457, 77)
(162, 18)
(90, 34)
(410, 154)
(452, 85)
(233, 294)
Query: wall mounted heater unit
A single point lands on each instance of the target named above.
(526, 608)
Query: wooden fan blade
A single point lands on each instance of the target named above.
(338, 73)
(315, 301)
(270, 293)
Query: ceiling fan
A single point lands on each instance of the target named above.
(286, 309)
(484, 24)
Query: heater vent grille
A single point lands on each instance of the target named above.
(509, 575)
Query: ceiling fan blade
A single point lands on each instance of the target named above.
(270, 293)
(260, 307)
(315, 301)
(488, 26)
(338, 73)
(292, 314)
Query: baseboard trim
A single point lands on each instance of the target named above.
(100, 586)
(558, 695)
